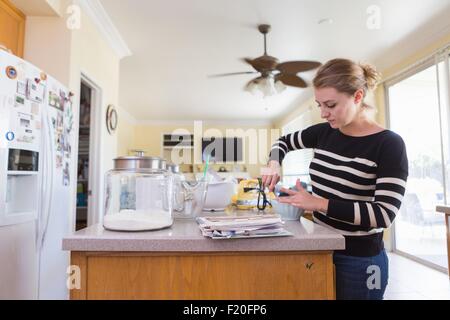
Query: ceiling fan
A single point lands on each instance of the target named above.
(270, 68)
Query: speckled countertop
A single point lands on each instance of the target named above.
(185, 236)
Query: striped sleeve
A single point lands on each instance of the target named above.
(295, 141)
(392, 174)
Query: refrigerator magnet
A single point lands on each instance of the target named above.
(35, 108)
(11, 72)
(21, 88)
(43, 76)
(20, 101)
(35, 91)
(10, 136)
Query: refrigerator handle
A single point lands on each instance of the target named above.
(44, 183)
(41, 193)
(44, 219)
(51, 152)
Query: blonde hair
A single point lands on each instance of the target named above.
(348, 77)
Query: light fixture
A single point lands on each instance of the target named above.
(265, 85)
(326, 21)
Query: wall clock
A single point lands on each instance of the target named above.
(111, 119)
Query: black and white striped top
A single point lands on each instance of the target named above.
(364, 179)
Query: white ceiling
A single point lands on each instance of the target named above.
(176, 44)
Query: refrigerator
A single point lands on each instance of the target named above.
(37, 191)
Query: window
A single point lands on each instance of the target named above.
(296, 163)
(418, 104)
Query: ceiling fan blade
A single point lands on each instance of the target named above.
(253, 62)
(294, 67)
(263, 64)
(230, 74)
(291, 80)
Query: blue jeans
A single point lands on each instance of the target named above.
(361, 278)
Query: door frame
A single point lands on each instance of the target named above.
(95, 193)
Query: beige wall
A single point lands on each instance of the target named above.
(125, 133)
(39, 7)
(48, 45)
(93, 57)
(402, 65)
(309, 104)
(148, 137)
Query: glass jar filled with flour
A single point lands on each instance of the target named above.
(138, 195)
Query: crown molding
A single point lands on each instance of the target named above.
(233, 124)
(95, 10)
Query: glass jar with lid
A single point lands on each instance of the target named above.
(138, 195)
(188, 196)
(178, 192)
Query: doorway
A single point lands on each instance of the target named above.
(89, 178)
(84, 138)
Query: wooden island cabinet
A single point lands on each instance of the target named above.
(179, 263)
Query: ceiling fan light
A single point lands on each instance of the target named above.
(279, 86)
(252, 87)
(267, 86)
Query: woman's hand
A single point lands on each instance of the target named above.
(302, 199)
(271, 175)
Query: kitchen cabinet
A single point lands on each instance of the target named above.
(12, 28)
(228, 275)
(179, 263)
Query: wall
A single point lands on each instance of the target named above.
(408, 61)
(308, 104)
(51, 52)
(125, 133)
(48, 8)
(92, 56)
(148, 137)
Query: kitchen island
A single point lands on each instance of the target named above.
(179, 263)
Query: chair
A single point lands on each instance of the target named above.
(413, 212)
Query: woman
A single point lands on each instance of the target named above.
(358, 176)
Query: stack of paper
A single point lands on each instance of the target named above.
(254, 226)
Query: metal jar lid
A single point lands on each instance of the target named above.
(140, 163)
(172, 167)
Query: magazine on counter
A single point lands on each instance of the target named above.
(250, 226)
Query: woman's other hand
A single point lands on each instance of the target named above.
(271, 175)
(303, 199)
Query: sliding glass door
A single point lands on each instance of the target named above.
(418, 111)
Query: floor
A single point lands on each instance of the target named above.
(409, 280)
